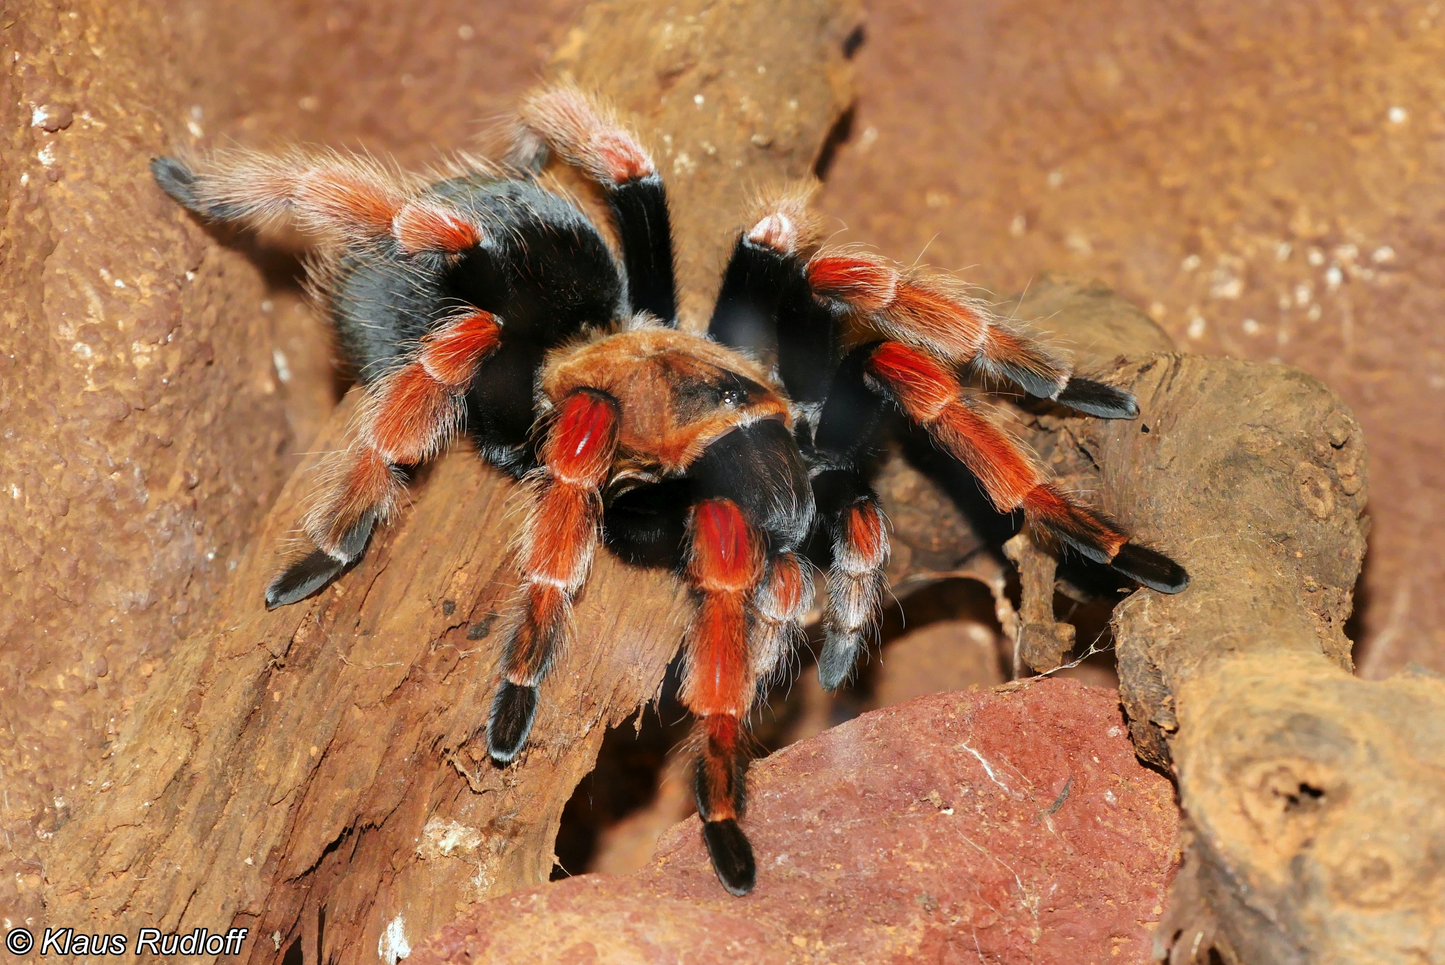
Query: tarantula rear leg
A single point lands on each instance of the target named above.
(405, 418)
(558, 545)
(347, 199)
(961, 330)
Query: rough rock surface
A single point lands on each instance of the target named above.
(1012, 825)
(1266, 179)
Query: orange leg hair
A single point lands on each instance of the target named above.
(347, 199)
(953, 326)
(582, 132)
(930, 394)
(725, 565)
(779, 606)
(558, 544)
(855, 587)
(405, 418)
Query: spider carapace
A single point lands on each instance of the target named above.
(482, 299)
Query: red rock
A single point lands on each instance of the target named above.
(1004, 826)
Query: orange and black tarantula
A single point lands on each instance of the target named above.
(484, 300)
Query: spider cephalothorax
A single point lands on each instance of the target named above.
(485, 300)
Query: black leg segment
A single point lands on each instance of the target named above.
(1098, 399)
(513, 710)
(766, 308)
(645, 231)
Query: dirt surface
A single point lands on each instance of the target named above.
(1267, 180)
(1010, 826)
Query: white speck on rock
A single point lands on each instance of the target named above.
(1197, 325)
(1190, 263)
(393, 946)
(1398, 115)
(1383, 255)
(1250, 326)
(283, 369)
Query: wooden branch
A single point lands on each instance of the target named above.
(313, 769)
(1310, 796)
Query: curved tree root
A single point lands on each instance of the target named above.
(1310, 797)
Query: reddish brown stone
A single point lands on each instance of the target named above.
(1011, 825)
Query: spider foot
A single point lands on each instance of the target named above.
(176, 180)
(1098, 399)
(838, 657)
(1154, 570)
(731, 854)
(513, 711)
(302, 578)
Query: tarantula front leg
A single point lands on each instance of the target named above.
(405, 418)
(960, 330)
(558, 544)
(850, 509)
(344, 198)
(779, 605)
(725, 564)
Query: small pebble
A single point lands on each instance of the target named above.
(55, 117)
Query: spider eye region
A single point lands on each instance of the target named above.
(697, 397)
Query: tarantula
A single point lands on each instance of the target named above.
(485, 300)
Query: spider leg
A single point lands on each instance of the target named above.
(766, 305)
(558, 544)
(959, 329)
(725, 565)
(779, 605)
(405, 418)
(346, 198)
(587, 135)
(925, 388)
(854, 519)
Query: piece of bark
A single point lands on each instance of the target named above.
(139, 406)
(1042, 641)
(1011, 825)
(310, 773)
(1309, 795)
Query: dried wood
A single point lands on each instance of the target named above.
(1309, 795)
